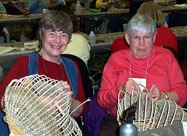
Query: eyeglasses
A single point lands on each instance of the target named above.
(53, 34)
(146, 38)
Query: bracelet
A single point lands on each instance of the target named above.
(165, 95)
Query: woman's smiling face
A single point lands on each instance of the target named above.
(55, 42)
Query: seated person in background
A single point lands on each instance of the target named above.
(156, 67)
(2, 9)
(3, 36)
(164, 35)
(79, 47)
(134, 5)
(55, 31)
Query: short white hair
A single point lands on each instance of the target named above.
(141, 23)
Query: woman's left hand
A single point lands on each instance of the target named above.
(131, 85)
(2, 103)
(154, 92)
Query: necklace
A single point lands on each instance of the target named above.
(130, 69)
(46, 70)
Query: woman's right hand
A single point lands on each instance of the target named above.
(131, 85)
(75, 105)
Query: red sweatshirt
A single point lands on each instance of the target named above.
(163, 70)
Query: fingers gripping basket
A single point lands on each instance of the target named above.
(150, 114)
(37, 105)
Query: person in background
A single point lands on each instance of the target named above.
(163, 33)
(134, 5)
(78, 46)
(4, 34)
(2, 8)
(155, 67)
(55, 31)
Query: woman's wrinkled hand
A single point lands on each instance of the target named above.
(131, 85)
(154, 93)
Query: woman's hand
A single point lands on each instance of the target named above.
(2, 103)
(74, 104)
(131, 85)
(154, 92)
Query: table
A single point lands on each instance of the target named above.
(20, 19)
(107, 39)
(177, 7)
(16, 49)
(180, 32)
(86, 13)
(104, 42)
(86, 16)
(19, 24)
(17, 19)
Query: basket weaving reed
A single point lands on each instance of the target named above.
(37, 105)
(150, 113)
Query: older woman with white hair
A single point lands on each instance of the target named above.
(142, 64)
(153, 67)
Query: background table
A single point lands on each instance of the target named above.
(177, 7)
(20, 19)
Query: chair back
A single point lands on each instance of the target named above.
(171, 49)
(88, 90)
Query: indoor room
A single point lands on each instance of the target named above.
(117, 62)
